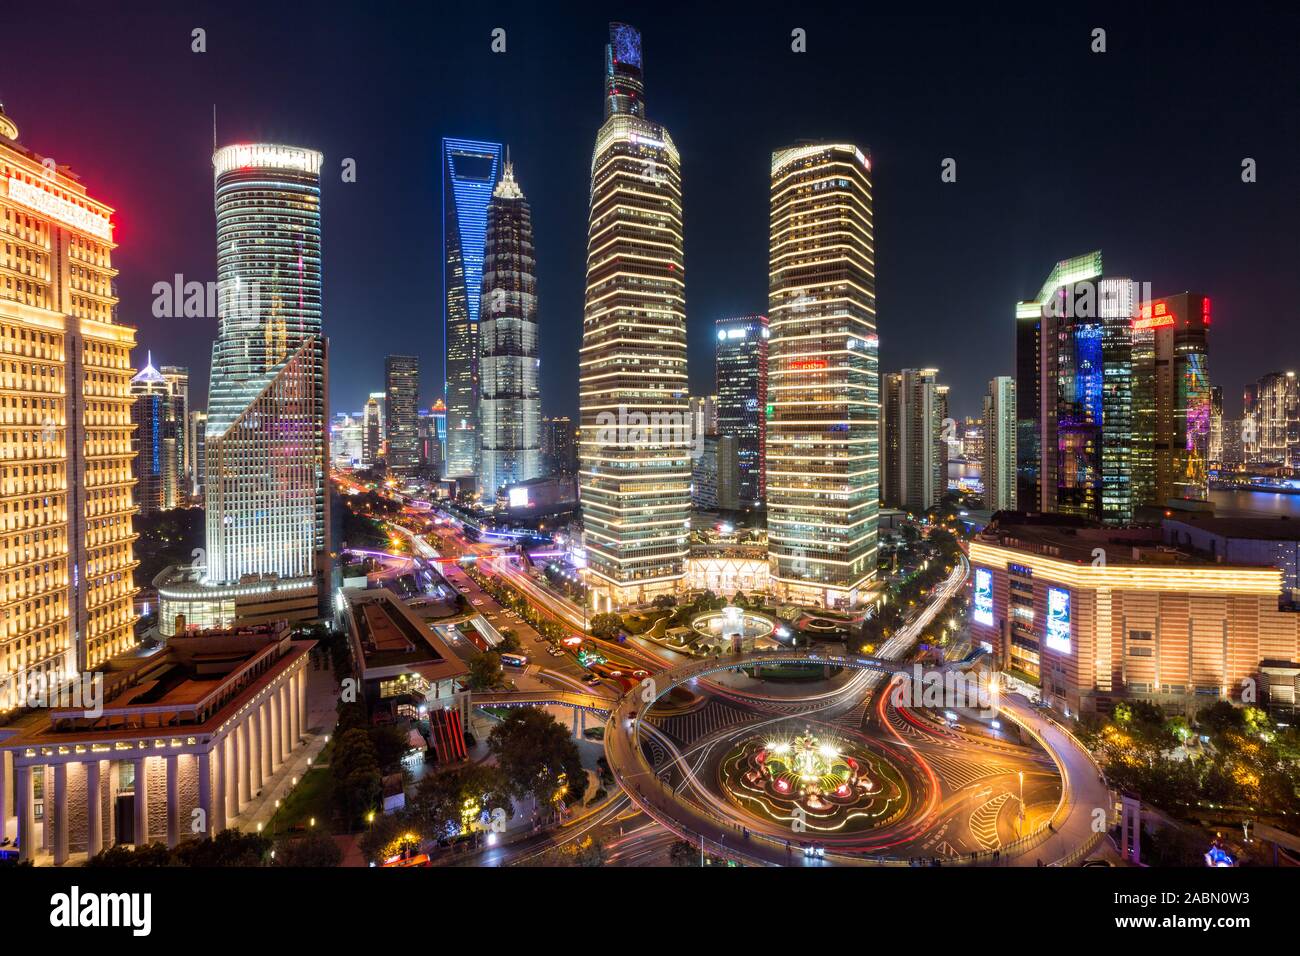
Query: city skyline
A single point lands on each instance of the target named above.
(1103, 200)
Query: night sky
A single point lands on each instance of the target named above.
(1059, 151)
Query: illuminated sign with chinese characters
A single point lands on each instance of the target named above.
(1154, 317)
(60, 210)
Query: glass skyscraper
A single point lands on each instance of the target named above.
(402, 388)
(266, 431)
(635, 449)
(469, 175)
(510, 404)
(741, 377)
(823, 430)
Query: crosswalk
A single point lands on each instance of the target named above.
(957, 772)
(984, 822)
(709, 719)
(854, 718)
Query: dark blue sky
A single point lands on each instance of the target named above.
(1136, 151)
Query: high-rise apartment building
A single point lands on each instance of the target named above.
(510, 405)
(469, 175)
(823, 437)
(635, 450)
(998, 469)
(401, 394)
(914, 469)
(1171, 400)
(559, 446)
(158, 442)
(704, 414)
(267, 442)
(1270, 428)
(177, 378)
(66, 509)
(372, 431)
(740, 366)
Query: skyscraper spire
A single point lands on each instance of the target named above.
(624, 83)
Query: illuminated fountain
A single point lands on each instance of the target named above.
(826, 784)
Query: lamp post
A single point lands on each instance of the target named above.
(1020, 828)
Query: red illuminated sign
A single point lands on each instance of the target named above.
(807, 364)
(1153, 317)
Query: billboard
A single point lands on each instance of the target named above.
(1058, 620)
(984, 597)
(518, 497)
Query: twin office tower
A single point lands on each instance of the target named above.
(490, 319)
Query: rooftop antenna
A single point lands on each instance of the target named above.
(214, 127)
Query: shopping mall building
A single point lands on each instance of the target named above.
(1095, 616)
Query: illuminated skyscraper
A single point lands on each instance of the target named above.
(1171, 400)
(65, 485)
(510, 408)
(159, 440)
(741, 375)
(198, 429)
(1270, 428)
(469, 175)
(913, 467)
(372, 430)
(823, 430)
(267, 441)
(998, 470)
(635, 447)
(402, 388)
(177, 378)
(1087, 450)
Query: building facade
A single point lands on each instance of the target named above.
(469, 175)
(823, 436)
(1171, 400)
(635, 449)
(1087, 439)
(1145, 623)
(267, 440)
(998, 469)
(159, 441)
(559, 446)
(914, 470)
(198, 429)
(1270, 428)
(510, 406)
(372, 431)
(740, 368)
(402, 392)
(66, 507)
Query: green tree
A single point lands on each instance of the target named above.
(358, 782)
(316, 849)
(682, 853)
(605, 626)
(445, 799)
(510, 642)
(536, 755)
(485, 671)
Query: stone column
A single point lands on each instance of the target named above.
(6, 774)
(26, 813)
(141, 801)
(173, 800)
(277, 727)
(230, 756)
(204, 766)
(285, 702)
(295, 718)
(60, 817)
(302, 702)
(220, 805)
(94, 808)
(47, 790)
(264, 740)
(245, 765)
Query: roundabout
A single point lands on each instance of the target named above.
(913, 790)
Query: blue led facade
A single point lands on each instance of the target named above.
(469, 172)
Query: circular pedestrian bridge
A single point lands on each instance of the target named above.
(1067, 836)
